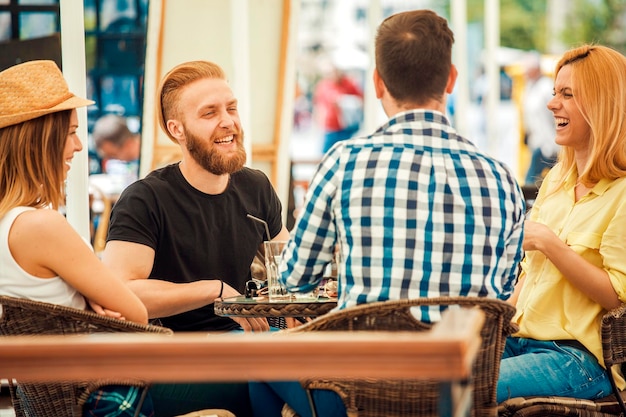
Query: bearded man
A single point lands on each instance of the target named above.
(181, 236)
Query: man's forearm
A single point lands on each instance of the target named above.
(163, 298)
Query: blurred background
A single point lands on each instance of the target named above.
(329, 39)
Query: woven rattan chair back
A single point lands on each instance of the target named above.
(394, 398)
(613, 331)
(60, 399)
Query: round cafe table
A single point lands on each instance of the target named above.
(241, 306)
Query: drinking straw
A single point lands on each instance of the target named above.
(267, 230)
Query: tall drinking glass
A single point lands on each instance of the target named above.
(273, 254)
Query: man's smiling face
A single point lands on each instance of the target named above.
(214, 137)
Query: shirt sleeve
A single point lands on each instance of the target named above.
(133, 217)
(311, 247)
(275, 208)
(514, 244)
(612, 248)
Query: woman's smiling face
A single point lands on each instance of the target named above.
(571, 127)
(72, 142)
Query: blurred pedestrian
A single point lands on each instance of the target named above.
(338, 104)
(539, 127)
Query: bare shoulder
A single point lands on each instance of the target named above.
(39, 239)
(41, 222)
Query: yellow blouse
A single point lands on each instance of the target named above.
(549, 307)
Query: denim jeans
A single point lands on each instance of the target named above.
(268, 399)
(539, 367)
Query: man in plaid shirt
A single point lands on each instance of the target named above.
(416, 209)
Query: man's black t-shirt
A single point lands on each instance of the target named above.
(196, 235)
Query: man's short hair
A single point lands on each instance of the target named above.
(414, 55)
(111, 128)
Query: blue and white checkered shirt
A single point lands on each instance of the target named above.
(417, 210)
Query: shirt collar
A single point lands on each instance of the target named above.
(418, 115)
(598, 189)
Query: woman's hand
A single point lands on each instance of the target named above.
(537, 236)
(98, 309)
(588, 278)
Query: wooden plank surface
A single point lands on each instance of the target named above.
(444, 353)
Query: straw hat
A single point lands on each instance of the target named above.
(34, 89)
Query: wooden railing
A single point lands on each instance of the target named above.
(444, 353)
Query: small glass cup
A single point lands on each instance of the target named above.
(330, 288)
(273, 255)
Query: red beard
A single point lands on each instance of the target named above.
(211, 158)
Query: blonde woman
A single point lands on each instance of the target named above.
(575, 240)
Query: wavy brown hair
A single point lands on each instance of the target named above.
(31, 162)
(599, 91)
(168, 92)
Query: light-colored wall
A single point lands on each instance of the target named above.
(249, 39)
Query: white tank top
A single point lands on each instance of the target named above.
(16, 282)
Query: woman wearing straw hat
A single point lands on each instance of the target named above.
(41, 256)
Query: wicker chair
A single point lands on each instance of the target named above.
(391, 398)
(59, 399)
(613, 331)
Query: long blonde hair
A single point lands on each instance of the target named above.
(31, 162)
(599, 90)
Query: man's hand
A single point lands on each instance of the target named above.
(252, 324)
(296, 322)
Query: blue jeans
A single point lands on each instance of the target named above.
(539, 367)
(268, 398)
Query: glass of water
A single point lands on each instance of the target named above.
(273, 255)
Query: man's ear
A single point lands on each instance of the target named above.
(176, 129)
(451, 79)
(379, 84)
